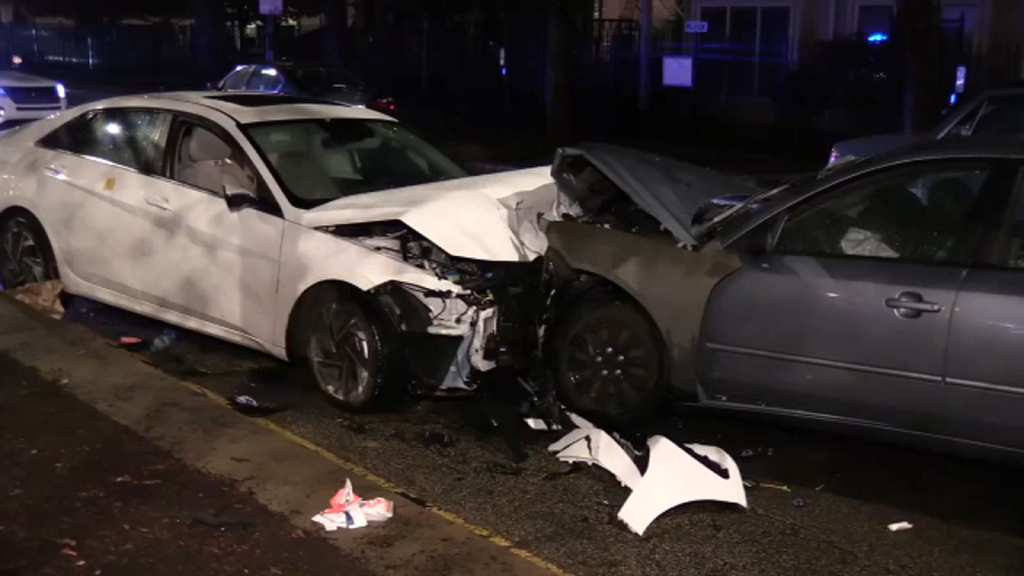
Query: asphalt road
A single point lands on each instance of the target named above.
(968, 515)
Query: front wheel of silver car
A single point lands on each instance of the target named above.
(608, 360)
(347, 349)
(26, 256)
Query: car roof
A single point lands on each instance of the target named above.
(253, 107)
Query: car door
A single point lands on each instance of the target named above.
(209, 262)
(95, 175)
(846, 314)
(984, 393)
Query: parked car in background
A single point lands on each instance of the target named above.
(829, 300)
(28, 97)
(996, 113)
(329, 83)
(314, 232)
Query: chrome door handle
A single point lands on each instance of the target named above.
(158, 202)
(911, 305)
(55, 172)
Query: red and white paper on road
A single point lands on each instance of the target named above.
(348, 510)
(674, 475)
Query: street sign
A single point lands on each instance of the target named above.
(677, 71)
(696, 26)
(272, 7)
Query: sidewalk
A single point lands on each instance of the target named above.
(113, 467)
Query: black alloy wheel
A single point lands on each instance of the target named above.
(608, 360)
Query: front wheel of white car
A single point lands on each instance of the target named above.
(347, 348)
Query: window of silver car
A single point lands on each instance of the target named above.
(236, 80)
(206, 161)
(965, 124)
(1003, 116)
(919, 213)
(133, 138)
(265, 79)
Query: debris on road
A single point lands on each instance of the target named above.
(679, 475)
(248, 406)
(439, 439)
(799, 503)
(675, 475)
(43, 296)
(541, 425)
(780, 487)
(165, 340)
(348, 510)
(900, 526)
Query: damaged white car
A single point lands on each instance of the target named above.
(316, 232)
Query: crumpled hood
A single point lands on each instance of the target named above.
(672, 192)
(13, 78)
(489, 217)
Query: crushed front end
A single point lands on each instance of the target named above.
(484, 320)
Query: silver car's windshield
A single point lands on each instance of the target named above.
(317, 161)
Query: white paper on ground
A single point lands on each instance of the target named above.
(675, 477)
(595, 446)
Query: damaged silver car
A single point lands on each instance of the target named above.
(885, 295)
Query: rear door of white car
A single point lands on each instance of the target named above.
(94, 185)
(213, 263)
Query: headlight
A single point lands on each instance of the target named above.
(61, 92)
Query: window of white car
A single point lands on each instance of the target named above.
(317, 161)
(207, 161)
(133, 138)
(918, 214)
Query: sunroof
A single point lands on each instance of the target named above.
(260, 100)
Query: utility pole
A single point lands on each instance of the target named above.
(645, 55)
(268, 37)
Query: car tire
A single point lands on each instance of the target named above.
(26, 255)
(608, 360)
(348, 349)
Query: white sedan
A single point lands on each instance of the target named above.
(28, 97)
(324, 233)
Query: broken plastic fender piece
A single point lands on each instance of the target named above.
(595, 446)
(349, 511)
(675, 476)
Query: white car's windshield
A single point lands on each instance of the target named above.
(317, 161)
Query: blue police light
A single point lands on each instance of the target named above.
(878, 38)
(952, 98)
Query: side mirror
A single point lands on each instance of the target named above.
(238, 197)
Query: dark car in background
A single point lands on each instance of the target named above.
(885, 296)
(331, 83)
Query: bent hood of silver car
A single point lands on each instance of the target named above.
(671, 192)
(492, 217)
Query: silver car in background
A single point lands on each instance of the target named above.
(995, 113)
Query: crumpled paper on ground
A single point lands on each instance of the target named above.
(43, 296)
(350, 511)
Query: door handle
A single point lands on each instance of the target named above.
(911, 305)
(158, 202)
(55, 172)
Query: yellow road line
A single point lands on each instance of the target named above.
(387, 485)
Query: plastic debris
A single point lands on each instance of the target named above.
(43, 296)
(541, 425)
(675, 475)
(165, 340)
(349, 511)
(900, 526)
(799, 503)
(680, 475)
(248, 406)
(129, 340)
(781, 487)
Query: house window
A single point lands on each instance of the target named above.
(744, 53)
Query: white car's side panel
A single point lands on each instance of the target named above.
(309, 257)
(94, 213)
(202, 259)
